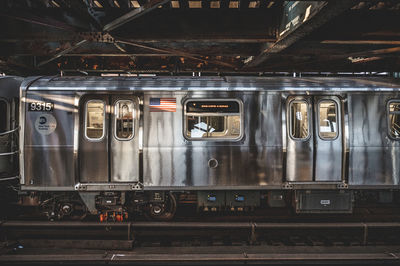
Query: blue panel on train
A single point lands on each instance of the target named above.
(239, 198)
(212, 198)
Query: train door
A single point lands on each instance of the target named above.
(109, 145)
(93, 139)
(314, 139)
(124, 144)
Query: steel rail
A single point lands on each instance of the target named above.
(211, 225)
(217, 255)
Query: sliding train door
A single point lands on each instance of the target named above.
(300, 139)
(314, 139)
(328, 142)
(108, 139)
(124, 144)
(93, 139)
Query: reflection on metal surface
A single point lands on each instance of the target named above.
(329, 153)
(300, 150)
(124, 148)
(374, 156)
(310, 158)
(255, 159)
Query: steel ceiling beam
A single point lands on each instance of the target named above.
(300, 18)
(149, 6)
(177, 53)
(63, 52)
(52, 23)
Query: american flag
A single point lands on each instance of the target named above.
(162, 104)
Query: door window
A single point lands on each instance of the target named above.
(95, 119)
(124, 125)
(394, 119)
(299, 125)
(328, 128)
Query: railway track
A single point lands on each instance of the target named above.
(226, 243)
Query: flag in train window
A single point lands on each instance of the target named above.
(95, 119)
(124, 124)
(299, 125)
(328, 126)
(394, 119)
(213, 119)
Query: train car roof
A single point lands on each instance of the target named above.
(212, 83)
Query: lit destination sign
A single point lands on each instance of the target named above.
(212, 107)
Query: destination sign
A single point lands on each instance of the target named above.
(212, 107)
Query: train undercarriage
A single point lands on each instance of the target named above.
(119, 206)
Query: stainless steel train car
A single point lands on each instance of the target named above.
(114, 145)
(9, 102)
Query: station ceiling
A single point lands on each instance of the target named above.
(92, 37)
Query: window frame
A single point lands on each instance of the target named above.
(337, 119)
(7, 115)
(104, 120)
(302, 100)
(186, 114)
(388, 113)
(133, 120)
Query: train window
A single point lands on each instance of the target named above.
(124, 125)
(299, 119)
(328, 126)
(213, 119)
(95, 119)
(3, 116)
(394, 119)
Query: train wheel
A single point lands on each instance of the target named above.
(162, 211)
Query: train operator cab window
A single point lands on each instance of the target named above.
(328, 128)
(124, 125)
(213, 119)
(299, 125)
(95, 119)
(394, 119)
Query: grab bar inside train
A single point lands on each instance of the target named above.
(8, 178)
(9, 132)
(8, 153)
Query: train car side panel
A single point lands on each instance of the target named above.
(374, 156)
(49, 143)
(255, 159)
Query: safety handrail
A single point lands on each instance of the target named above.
(9, 178)
(8, 132)
(8, 153)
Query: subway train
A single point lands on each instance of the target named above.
(116, 146)
(9, 105)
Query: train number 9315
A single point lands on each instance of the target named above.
(41, 107)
